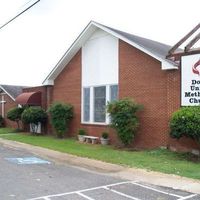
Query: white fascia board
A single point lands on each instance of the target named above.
(48, 82)
(7, 93)
(82, 38)
(164, 64)
(167, 66)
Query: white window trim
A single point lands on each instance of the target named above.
(91, 122)
(91, 105)
(107, 100)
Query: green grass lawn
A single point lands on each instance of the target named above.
(156, 160)
(6, 130)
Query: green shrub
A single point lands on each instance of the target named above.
(124, 119)
(186, 122)
(33, 116)
(1, 121)
(14, 114)
(61, 114)
(105, 135)
(81, 131)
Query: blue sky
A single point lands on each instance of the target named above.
(31, 45)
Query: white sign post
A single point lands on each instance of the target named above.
(190, 80)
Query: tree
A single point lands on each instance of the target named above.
(14, 114)
(61, 114)
(186, 122)
(33, 116)
(124, 119)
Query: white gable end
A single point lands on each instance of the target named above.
(98, 34)
(100, 60)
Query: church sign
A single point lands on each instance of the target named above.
(190, 80)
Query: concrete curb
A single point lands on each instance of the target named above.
(167, 180)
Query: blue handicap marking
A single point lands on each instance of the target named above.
(27, 160)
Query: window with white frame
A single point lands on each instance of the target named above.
(86, 104)
(113, 92)
(99, 104)
(94, 103)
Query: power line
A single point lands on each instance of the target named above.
(20, 13)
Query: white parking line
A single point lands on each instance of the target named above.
(108, 187)
(85, 196)
(160, 191)
(79, 191)
(46, 198)
(120, 193)
(188, 197)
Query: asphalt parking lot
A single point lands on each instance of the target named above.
(25, 176)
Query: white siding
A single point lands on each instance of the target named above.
(100, 60)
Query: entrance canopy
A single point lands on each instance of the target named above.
(29, 98)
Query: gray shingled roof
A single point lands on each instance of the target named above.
(153, 48)
(13, 90)
(157, 48)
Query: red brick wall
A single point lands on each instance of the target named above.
(140, 78)
(8, 105)
(67, 89)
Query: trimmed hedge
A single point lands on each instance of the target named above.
(61, 114)
(14, 114)
(186, 122)
(34, 115)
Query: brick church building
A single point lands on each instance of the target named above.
(105, 64)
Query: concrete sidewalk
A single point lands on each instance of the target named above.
(114, 170)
